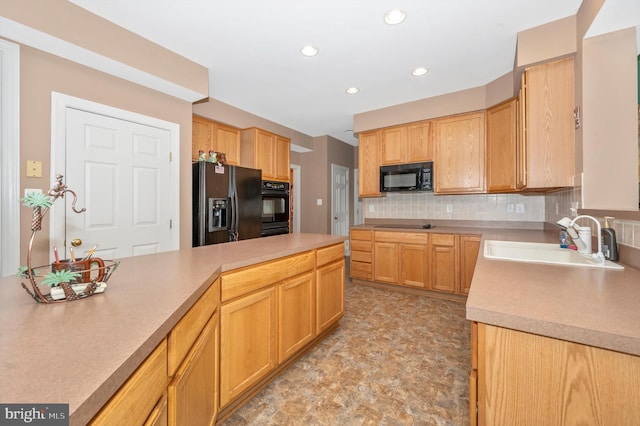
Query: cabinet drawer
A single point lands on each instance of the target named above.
(329, 254)
(361, 270)
(357, 245)
(361, 234)
(185, 333)
(361, 256)
(137, 398)
(443, 239)
(243, 281)
(402, 237)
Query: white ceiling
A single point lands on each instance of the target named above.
(252, 49)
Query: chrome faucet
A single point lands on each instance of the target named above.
(581, 235)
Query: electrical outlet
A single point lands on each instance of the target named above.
(509, 208)
(319, 201)
(520, 208)
(371, 208)
(557, 209)
(449, 208)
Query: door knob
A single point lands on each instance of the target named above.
(76, 242)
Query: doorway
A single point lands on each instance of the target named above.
(124, 168)
(340, 202)
(9, 158)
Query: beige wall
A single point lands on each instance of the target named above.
(42, 73)
(610, 120)
(452, 103)
(315, 169)
(552, 40)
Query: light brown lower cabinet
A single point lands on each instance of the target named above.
(413, 265)
(160, 414)
(329, 294)
(386, 261)
(248, 330)
(135, 401)
(469, 250)
(443, 262)
(296, 314)
(528, 379)
(360, 265)
(427, 260)
(193, 396)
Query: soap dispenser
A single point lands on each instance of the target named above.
(609, 244)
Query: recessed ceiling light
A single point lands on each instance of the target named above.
(352, 90)
(309, 51)
(394, 16)
(420, 71)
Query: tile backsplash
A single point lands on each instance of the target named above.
(563, 203)
(426, 205)
(547, 208)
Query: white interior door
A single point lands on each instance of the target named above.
(122, 173)
(340, 201)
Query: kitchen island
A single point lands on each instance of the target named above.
(82, 352)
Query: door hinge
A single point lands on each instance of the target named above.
(170, 156)
(170, 223)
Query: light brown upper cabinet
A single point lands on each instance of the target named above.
(459, 154)
(502, 137)
(548, 132)
(406, 144)
(369, 164)
(210, 135)
(266, 151)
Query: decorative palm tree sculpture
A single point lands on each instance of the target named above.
(40, 203)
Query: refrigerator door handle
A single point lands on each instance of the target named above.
(233, 229)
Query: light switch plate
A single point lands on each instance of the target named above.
(319, 201)
(34, 168)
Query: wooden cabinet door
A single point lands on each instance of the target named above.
(501, 147)
(264, 153)
(469, 248)
(368, 164)
(201, 136)
(193, 391)
(521, 141)
(136, 400)
(413, 265)
(281, 158)
(385, 262)
(329, 295)
(419, 142)
(227, 139)
(296, 314)
(459, 155)
(393, 149)
(552, 381)
(160, 414)
(550, 129)
(248, 330)
(444, 263)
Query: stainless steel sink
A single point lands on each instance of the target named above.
(518, 251)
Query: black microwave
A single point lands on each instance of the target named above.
(407, 177)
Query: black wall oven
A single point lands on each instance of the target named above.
(275, 208)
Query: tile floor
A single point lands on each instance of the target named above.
(396, 359)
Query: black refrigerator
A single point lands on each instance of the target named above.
(227, 203)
